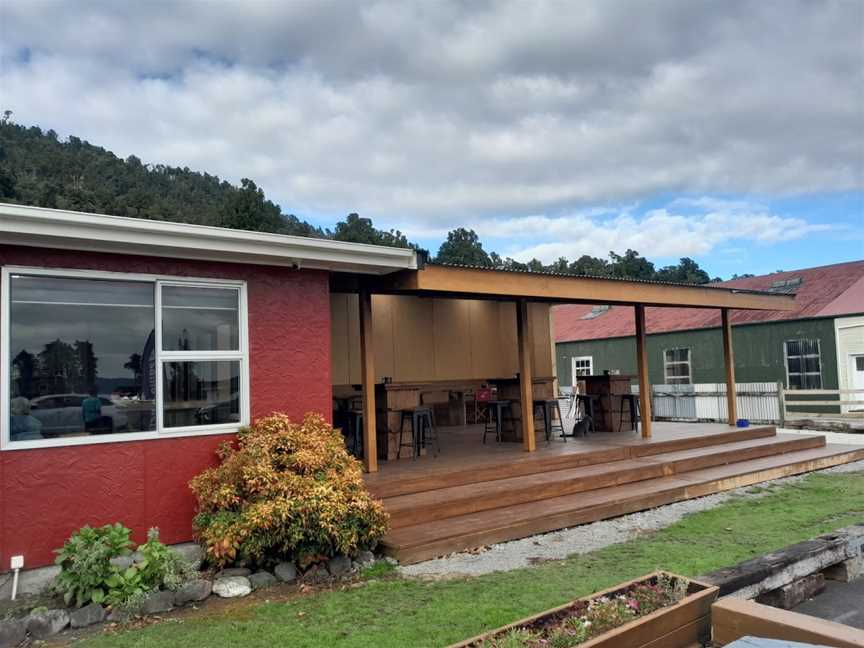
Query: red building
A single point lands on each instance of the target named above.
(132, 348)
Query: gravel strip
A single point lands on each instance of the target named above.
(588, 537)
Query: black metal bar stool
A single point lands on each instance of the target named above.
(587, 402)
(550, 406)
(355, 431)
(493, 420)
(632, 401)
(422, 431)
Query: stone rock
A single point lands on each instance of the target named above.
(234, 571)
(193, 591)
(120, 615)
(286, 572)
(232, 586)
(47, 624)
(795, 593)
(12, 632)
(87, 616)
(191, 552)
(365, 558)
(339, 566)
(137, 556)
(261, 579)
(316, 574)
(390, 560)
(157, 602)
(122, 562)
(846, 571)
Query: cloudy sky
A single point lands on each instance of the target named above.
(729, 131)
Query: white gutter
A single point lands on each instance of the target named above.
(58, 228)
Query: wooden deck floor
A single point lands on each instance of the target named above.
(474, 494)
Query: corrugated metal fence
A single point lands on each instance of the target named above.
(758, 402)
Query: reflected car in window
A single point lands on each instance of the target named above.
(61, 415)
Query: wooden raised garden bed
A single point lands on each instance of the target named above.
(676, 625)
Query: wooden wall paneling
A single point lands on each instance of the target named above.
(451, 319)
(485, 339)
(383, 321)
(339, 346)
(508, 355)
(414, 355)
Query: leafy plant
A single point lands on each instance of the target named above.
(85, 562)
(286, 491)
(87, 573)
(161, 567)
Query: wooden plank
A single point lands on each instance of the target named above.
(644, 379)
(733, 618)
(452, 501)
(525, 339)
(429, 540)
(502, 284)
(729, 362)
(367, 363)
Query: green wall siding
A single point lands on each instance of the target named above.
(758, 352)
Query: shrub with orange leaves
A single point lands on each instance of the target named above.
(285, 491)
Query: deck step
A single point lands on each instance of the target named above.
(605, 449)
(414, 508)
(436, 538)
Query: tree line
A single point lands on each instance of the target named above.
(38, 168)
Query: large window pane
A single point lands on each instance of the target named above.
(201, 393)
(81, 357)
(200, 319)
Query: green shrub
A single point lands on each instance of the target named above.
(87, 575)
(85, 566)
(286, 491)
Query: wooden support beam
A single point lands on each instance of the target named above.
(729, 360)
(525, 339)
(644, 380)
(367, 371)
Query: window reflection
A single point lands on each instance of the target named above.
(201, 393)
(200, 319)
(82, 357)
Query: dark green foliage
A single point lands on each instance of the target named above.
(463, 247)
(36, 168)
(360, 230)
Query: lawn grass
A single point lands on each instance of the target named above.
(395, 612)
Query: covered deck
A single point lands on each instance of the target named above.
(473, 494)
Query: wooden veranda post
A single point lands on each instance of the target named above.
(644, 380)
(526, 376)
(367, 369)
(729, 360)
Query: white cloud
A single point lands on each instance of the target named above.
(432, 115)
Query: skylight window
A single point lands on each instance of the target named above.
(786, 287)
(596, 311)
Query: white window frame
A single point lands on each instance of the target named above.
(667, 364)
(157, 281)
(802, 373)
(573, 360)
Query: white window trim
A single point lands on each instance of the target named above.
(242, 355)
(574, 360)
(803, 373)
(667, 364)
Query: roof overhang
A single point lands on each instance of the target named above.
(56, 228)
(475, 283)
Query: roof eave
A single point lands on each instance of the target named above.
(37, 226)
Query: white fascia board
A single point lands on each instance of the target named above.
(38, 226)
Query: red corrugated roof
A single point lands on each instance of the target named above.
(826, 291)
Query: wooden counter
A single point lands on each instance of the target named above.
(609, 389)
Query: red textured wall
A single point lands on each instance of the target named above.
(45, 494)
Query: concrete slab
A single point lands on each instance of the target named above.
(840, 602)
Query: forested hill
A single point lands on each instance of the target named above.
(37, 168)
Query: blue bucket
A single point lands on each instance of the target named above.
(742, 423)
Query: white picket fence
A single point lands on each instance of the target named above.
(758, 402)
